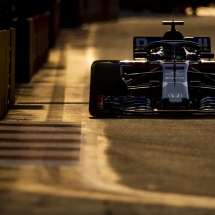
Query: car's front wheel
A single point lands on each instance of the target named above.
(106, 79)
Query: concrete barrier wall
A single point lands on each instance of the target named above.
(4, 71)
(41, 39)
(32, 47)
(11, 92)
(24, 50)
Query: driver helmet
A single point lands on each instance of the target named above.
(168, 55)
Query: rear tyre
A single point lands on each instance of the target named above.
(106, 79)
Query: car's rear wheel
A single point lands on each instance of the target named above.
(106, 79)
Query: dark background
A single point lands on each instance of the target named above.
(162, 5)
(23, 9)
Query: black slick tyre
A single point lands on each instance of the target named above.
(106, 79)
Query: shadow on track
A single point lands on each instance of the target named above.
(167, 116)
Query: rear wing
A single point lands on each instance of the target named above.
(140, 43)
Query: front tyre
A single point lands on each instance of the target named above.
(106, 79)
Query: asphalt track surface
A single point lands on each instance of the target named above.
(130, 165)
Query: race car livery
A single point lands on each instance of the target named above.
(172, 73)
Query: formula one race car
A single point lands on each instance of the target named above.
(172, 73)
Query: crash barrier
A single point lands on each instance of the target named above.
(41, 39)
(7, 70)
(4, 70)
(32, 45)
(11, 91)
(77, 12)
(35, 36)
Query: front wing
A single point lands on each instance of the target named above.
(142, 105)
